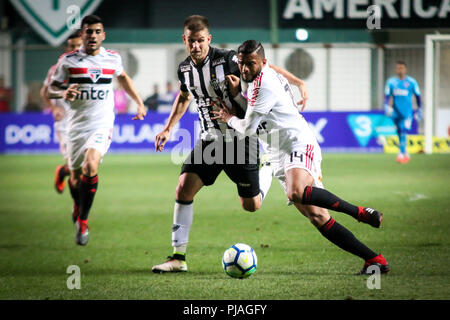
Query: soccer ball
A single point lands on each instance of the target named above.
(239, 261)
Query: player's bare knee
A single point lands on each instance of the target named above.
(295, 195)
(90, 167)
(74, 181)
(183, 193)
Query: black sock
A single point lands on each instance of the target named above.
(322, 198)
(345, 240)
(88, 189)
(75, 193)
(63, 172)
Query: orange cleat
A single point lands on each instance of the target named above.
(406, 158)
(59, 183)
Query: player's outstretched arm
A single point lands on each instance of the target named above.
(296, 82)
(127, 84)
(179, 107)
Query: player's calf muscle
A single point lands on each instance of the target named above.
(188, 186)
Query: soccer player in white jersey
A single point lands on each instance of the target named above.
(294, 152)
(60, 109)
(89, 72)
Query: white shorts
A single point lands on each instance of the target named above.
(60, 127)
(307, 157)
(99, 140)
(62, 140)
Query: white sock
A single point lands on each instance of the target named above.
(182, 220)
(265, 180)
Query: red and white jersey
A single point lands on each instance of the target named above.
(282, 129)
(93, 108)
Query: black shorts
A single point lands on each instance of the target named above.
(208, 161)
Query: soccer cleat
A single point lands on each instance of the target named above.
(82, 236)
(400, 158)
(370, 216)
(75, 213)
(171, 265)
(59, 180)
(379, 261)
(406, 158)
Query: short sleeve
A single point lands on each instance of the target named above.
(50, 73)
(232, 61)
(261, 99)
(119, 67)
(60, 74)
(182, 80)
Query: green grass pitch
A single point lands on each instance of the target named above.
(130, 230)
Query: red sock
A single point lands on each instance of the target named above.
(83, 224)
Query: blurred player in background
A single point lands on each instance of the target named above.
(60, 109)
(401, 88)
(89, 72)
(204, 75)
(294, 152)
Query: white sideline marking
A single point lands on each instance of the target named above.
(418, 196)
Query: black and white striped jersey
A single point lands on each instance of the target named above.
(206, 82)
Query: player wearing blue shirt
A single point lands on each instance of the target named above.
(401, 88)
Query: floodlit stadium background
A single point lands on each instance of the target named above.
(326, 43)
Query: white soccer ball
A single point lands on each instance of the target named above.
(239, 261)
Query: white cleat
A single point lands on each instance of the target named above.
(172, 265)
(82, 236)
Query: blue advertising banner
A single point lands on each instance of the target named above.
(335, 132)
(352, 131)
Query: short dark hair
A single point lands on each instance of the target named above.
(74, 35)
(91, 19)
(250, 46)
(401, 62)
(196, 23)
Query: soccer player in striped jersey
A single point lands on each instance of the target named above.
(60, 108)
(89, 72)
(401, 88)
(204, 75)
(294, 152)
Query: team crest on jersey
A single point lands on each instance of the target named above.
(94, 74)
